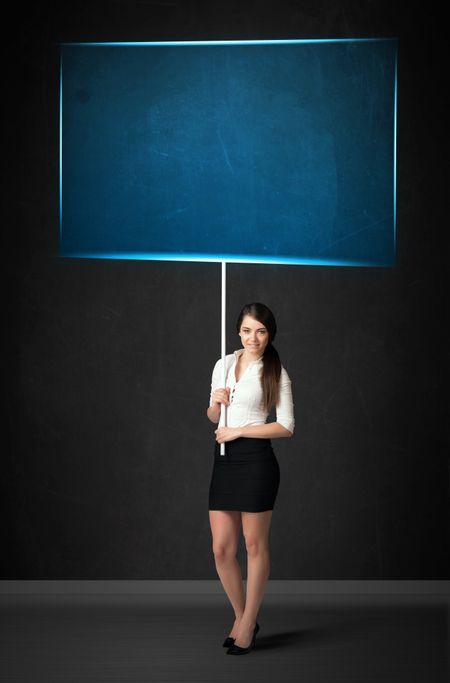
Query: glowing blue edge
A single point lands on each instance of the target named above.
(239, 42)
(218, 258)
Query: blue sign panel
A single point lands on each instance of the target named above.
(256, 151)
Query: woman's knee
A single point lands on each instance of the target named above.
(224, 552)
(256, 546)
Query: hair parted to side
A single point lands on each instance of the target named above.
(271, 370)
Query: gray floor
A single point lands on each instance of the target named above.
(178, 638)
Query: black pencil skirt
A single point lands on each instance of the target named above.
(246, 478)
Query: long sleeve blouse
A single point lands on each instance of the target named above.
(246, 395)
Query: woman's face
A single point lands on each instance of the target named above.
(254, 336)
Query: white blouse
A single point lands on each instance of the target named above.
(246, 395)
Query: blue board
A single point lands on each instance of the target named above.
(257, 151)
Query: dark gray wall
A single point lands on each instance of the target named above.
(109, 363)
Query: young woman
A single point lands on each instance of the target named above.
(244, 482)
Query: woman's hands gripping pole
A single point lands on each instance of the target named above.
(222, 396)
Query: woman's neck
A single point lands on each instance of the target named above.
(247, 358)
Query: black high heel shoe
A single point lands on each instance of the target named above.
(237, 650)
(228, 642)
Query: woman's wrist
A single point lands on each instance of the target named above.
(213, 412)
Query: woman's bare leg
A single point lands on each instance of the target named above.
(225, 527)
(256, 527)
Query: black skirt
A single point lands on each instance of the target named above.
(246, 478)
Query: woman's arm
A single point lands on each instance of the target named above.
(265, 430)
(285, 407)
(218, 396)
(213, 413)
(269, 430)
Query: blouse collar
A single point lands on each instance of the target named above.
(239, 352)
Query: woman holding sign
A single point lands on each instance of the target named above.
(244, 482)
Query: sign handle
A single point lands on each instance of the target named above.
(223, 408)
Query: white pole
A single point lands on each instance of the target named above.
(223, 408)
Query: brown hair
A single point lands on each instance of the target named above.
(271, 370)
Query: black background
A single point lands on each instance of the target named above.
(108, 363)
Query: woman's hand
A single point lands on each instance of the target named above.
(224, 434)
(221, 396)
